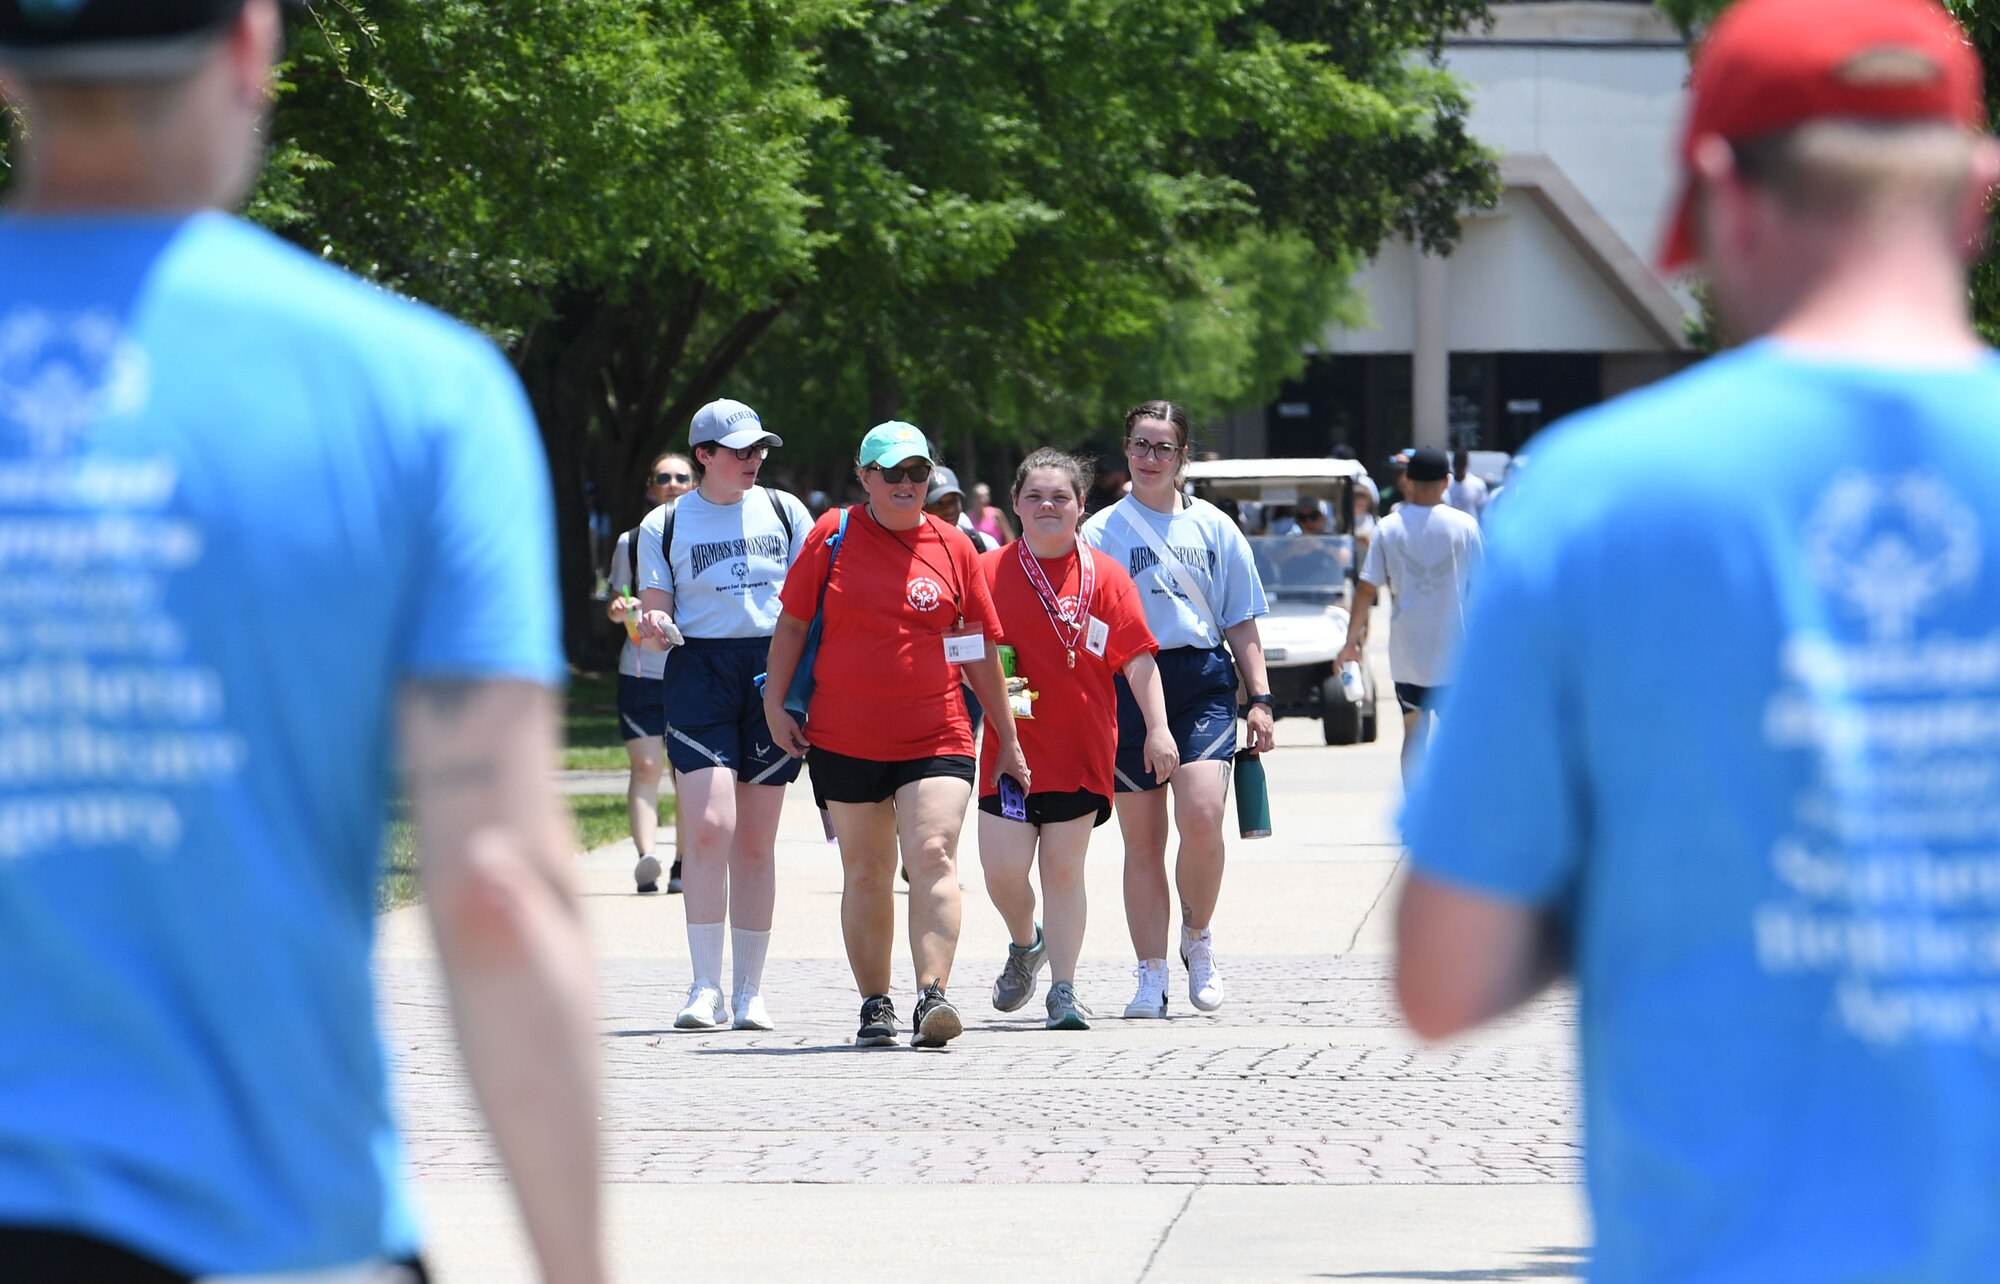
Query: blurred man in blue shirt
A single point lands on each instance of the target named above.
(1725, 738)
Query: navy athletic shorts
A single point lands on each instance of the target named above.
(715, 713)
(642, 707)
(1200, 687)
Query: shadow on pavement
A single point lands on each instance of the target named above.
(1555, 1264)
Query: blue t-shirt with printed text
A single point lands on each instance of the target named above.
(1729, 703)
(243, 497)
(1211, 548)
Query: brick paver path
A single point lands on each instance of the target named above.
(1302, 1078)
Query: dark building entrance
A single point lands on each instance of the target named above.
(1498, 401)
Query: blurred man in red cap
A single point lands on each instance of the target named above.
(1725, 738)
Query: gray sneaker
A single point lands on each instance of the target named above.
(1017, 979)
(646, 874)
(1065, 1013)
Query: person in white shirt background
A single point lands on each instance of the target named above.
(642, 712)
(1425, 553)
(1466, 493)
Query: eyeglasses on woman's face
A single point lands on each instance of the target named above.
(670, 479)
(746, 453)
(917, 472)
(1140, 448)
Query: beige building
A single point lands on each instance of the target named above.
(1549, 303)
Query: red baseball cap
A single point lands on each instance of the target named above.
(1772, 65)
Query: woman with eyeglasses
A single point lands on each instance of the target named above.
(1199, 585)
(886, 735)
(710, 574)
(642, 710)
(1073, 617)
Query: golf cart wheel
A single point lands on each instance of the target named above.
(1340, 719)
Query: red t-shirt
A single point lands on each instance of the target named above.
(1072, 741)
(882, 688)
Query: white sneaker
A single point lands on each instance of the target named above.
(704, 1010)
(749, 1008)
(1205, 988)
(1150, 1003)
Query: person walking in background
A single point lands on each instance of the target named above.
(1110, 482)
(710, 570)
(888, 743)
(192, 1081)
(945, 500)
(1466, 492)
(1425, 554)
(1073, 618)
(987, 518)
(1199, 588)
(642, 710)
(1762, 837)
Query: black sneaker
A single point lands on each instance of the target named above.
(674, 877)
(878, 1023)
(936, 1022)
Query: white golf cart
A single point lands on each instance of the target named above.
(1309, 581)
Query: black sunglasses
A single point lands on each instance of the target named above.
(903, 472)
(661, 479)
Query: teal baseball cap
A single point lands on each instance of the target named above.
(891, 443)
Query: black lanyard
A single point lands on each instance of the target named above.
(951, 568)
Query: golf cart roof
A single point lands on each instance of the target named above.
(1281, 480)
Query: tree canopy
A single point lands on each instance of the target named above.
(1004, 218)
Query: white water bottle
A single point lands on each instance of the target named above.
(1350, 682)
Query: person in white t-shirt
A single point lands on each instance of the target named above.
(642, 711)
(1466, 492)
(710, 570)
(1425, 553)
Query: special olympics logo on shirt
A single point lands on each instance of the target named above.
(1890, 547)
(62, 372)
(925, 593)
(1066, 607)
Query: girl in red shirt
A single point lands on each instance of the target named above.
(888, 739)
(1074, 619)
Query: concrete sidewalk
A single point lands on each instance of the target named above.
(1298, 1133)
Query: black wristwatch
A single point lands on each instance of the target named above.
(1264, 700)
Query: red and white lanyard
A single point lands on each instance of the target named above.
(1059, 619)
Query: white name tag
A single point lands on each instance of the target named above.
(1095, 634)
(965, 648)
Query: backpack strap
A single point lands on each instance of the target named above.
(667, 543)
(784, 518)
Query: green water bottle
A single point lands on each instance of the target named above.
(1253, 797)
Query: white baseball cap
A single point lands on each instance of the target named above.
(729, 424)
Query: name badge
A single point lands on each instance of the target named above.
(968, 647)
(1095, 635)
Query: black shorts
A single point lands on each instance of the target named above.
(1414, 698)
(839, 778)
(66, 1255)
(1054, 809)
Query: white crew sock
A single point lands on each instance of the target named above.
(705, 948)
(746, 951)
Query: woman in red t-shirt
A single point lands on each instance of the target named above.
(888, 739)
(1073, 618)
